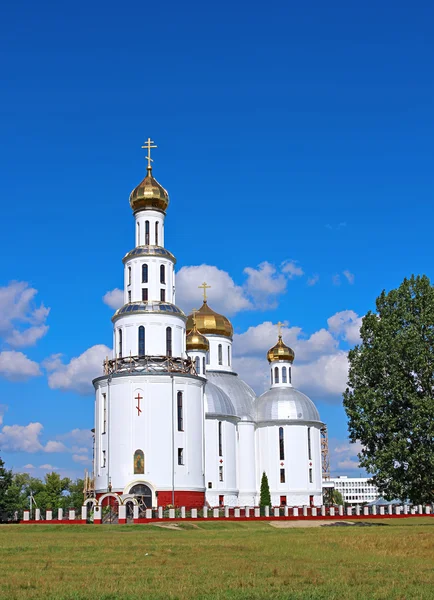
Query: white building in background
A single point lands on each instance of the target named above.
(355, 490)
(174, 424)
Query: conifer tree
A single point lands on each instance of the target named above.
(265, 498)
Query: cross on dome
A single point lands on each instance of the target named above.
(204, 287)
(279, 329)
(147, 146)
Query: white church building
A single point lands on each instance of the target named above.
(174, 424)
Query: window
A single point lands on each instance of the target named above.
(289, 374)
(146, 233)
(210, 485)
(145, 294)
(138, 234)
(197, 365)
(104, 413)
(282, 500)
(220, 351)
(139, 462)
(309, 446)
(162, 295)
(103, 459)
(207, 358)
(129, 295)
(162, 274)
(120, 342)
(276, 375)
(220, 439)
(144, 273)
(203, 366)
(168, 341)
(283, 374)
(141, 341)
(221, 500)
(282, 475)
(229, 355)
(179, 400)
(129, 275)
(156, 233)
(271, 376)
(281, 444)
(221, 473)
(180, 456)
(310, 476)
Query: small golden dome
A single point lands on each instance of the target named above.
(197, 341)
(280, 352)
(210, 322)
(149, 194)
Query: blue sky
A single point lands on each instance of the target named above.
(295, 142)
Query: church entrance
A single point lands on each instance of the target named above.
(110, 509)
(143, 494)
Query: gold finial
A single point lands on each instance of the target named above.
(193, 313)
(204, 287)
(279, 329)
(147, 146)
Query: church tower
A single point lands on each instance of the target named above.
(149, 405)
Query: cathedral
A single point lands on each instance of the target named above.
(174, 424)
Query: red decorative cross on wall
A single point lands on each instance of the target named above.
(138, 398)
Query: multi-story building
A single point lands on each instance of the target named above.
(355, 490)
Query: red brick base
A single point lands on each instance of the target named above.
(187, 499)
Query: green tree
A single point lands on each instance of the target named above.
(75, 496)
(52, 494)
(333, 496)
(390, 399)
(265, 498)
(5, 498)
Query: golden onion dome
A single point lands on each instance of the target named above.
(197, 341)
(210, 322)
(280, 352)
(149, 194)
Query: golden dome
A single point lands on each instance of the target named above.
(280, 352)
(149, 194)
(197, 341)
(210, 322)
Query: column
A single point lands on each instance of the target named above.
(122, 514)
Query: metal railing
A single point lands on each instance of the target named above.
(149, 364)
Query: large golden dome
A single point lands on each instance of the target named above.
(149, 194)
(280, 352)
(196, 341)
(210, 322)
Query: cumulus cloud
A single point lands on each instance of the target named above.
(292, 269)
(21, 438)
(343, 457)
(22, 322)
(81, 458)
(313, 280)
(15, 366)
(346, 324)
(77, 437)
(77, 374)
(54, 446)
(3, 409)
(349, 276)
(325, 376)
(264, 285)
(114, 298)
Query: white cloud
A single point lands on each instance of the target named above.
(224, 296)
(346, 324)
(292, 269)
(349, 276)
(325, 376)
(313, 280)
(264, 284)
(81, 458)
(22, 323)
(29, 466)
(336, 279)
(78, 437)
(77, 375)
(343, 458)
(48, 467)
(3, 409)
(54, 446)
(114, 298)
(21, 438)
(16, 366)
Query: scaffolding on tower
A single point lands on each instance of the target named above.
(325, 458)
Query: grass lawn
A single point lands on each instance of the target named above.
(223, 560)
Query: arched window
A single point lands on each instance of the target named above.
(271, 376)
(129, 275)
(138, 234)
(229, 355)
(289, 374)
(156, 233)
(179, 402)
(207, 358)
(168, 341)
(281, 444)
(309, 445)
(220, 352)
(276, 375)
(145, 273)
(220, 439)
(203, 366)
(197, 365)
(139, 462)
(120, 343)
(146, 233)
(141, 341)
(162, 274)
(283, 374)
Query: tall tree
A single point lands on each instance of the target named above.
(52, 494)
(390, 398)
(5, 482)
(265, 498)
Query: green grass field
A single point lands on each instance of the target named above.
(223, 560)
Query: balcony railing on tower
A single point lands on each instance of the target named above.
(149, 364)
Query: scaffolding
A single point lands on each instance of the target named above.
(325, 457)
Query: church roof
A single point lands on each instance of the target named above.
(210, 322)
(285, 404)
(149, 251)
(241, 395)
(151, 306)
(217, 402)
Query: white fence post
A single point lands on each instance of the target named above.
(182, 512)
(295, 511)
(276, 512)
(226, 512)
(83, 512)
(215, 513)
(171, 513)
(341, 510)
(257, 512)
(72, 514)
(314, 511)
(60, 514)
(26, 515)
(194, 513)
(323, 511)
(205, 512)
(48, 515)
(332, 511)
(37, 514)
(135, 511)
(366, 511)
(286, 511)
(236, 512)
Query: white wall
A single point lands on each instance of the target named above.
(153, 216)
(153, 285)
(246, 464)
(227, 460)
(226, 344)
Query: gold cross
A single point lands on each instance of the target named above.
(204, 287)
(193, 312)
(147, 146)
(279, 328)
